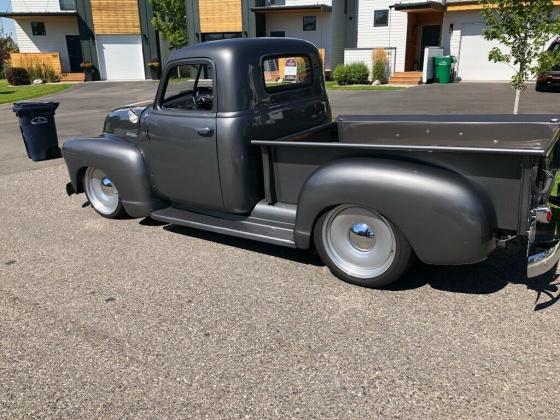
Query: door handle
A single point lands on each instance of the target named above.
(204, 131)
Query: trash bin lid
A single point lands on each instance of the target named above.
(35, 106)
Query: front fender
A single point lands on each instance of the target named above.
(122, 162)
(445, 218)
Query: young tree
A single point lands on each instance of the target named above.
(7, 46)
(171, 21)
(524, 28)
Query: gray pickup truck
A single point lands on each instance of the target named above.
(240, 140)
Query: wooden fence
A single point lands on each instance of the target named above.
(29, 60)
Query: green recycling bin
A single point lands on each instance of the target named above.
(442, 69)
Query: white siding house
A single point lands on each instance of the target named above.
(328, 24)
(392, 36)
(48, 26)
(412, 25)
(462, 38)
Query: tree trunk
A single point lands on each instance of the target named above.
(516, 103)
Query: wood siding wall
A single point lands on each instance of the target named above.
(220, 16)
(111, 17)
(28, 60)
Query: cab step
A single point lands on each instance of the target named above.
(242, 227)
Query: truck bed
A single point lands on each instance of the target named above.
(510, 134)
(495, 153)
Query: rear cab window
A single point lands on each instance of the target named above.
(282, 73)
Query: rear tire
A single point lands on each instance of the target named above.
(103, 194)
(362, 247)
(540, 87)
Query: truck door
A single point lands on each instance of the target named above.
(182, 155)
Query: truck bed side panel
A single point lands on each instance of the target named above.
(498, 177)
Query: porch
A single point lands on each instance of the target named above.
(424, 29)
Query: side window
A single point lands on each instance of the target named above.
(281, 73)
(38, 28)
(189, 87)
(309, 23)
(381, 18)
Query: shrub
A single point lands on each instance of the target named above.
(50, 75)
(341, 74)
(351, 74)
(17, 76)
(379, 65)
(35, 72)
(42, 72)
(359, 73)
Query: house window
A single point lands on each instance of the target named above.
(310, 23)
(381, 18)
(219, 36)
(278, 34)
(38, 28)
(67, 4)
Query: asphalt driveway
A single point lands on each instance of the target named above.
(131, 318)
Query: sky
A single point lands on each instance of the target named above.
(7, 24)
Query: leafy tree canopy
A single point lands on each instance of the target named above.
(171, 21)
(7, 46)
(524, 28)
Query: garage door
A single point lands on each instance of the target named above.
(120, 57)
(473, 56)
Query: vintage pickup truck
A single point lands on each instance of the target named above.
(240, 140)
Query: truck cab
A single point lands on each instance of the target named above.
(240, 140)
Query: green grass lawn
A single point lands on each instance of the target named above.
(333, 85)
(9, 94)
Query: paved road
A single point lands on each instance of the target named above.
(130, 318)
(83, 108)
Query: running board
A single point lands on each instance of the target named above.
(248, 228)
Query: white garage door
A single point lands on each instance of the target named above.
(120, 57)
(473, 56)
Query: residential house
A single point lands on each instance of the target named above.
(328, 24)
(404, 28)
(116, 36)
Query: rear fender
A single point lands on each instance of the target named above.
(122, 162)
(445, 219)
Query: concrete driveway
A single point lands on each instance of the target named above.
(130, 318)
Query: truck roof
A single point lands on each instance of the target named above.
(241, 88)
(244, 49)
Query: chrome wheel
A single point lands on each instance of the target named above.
(358, 241)
(101, 192)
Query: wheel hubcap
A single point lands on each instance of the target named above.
(107, 186)
(359, 241)
(102, 193)
(362, 237)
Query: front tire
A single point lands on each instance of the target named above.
(361, 247)
(103, 194)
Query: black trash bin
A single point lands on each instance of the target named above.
(36, 121)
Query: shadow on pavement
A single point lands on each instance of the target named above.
(503, 267)
(300, 256)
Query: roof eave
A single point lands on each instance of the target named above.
(14, 15)
(281, 9)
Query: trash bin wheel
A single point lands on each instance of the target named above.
(102, 194)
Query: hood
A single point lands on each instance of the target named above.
(125, 121)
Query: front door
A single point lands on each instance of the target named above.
(74, 47)
(182, 151)
(430, 38)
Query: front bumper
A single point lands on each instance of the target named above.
(544, 259)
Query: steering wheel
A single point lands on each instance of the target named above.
(203, 97)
